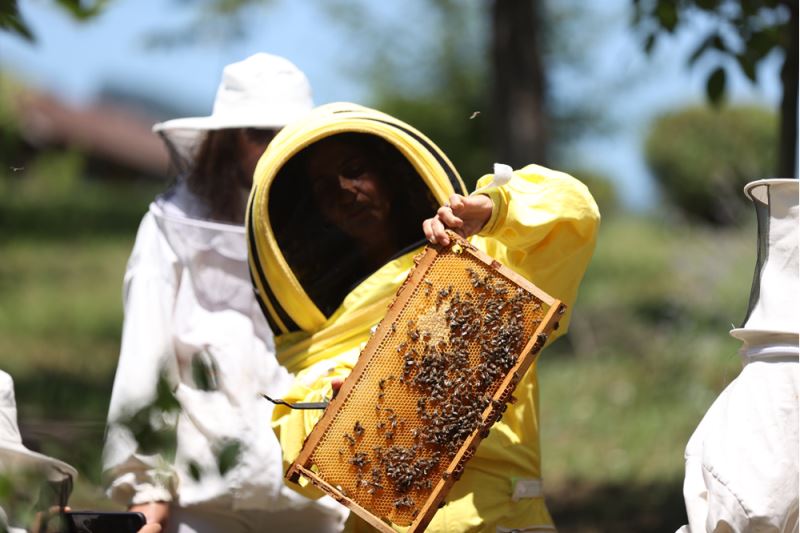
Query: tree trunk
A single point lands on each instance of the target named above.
(519, 122)
(788, 134)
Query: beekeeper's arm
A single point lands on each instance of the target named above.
(146, 354)
(542, 224)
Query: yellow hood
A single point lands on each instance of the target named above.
(284, 299)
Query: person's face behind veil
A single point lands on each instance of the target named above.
(344, 207)
(352, 193)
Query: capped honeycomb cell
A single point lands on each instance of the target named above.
(434, 376)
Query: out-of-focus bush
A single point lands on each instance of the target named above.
(602, 188)
(11, 144)
(702, 157)
(465, 141)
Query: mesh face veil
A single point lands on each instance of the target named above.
(336, 196)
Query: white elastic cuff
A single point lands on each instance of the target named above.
(151, 494)
(502, 175)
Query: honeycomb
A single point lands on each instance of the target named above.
(434, 376)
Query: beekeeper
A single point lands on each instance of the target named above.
(742, 460)
(191, 319)
(31, 482)
(335, 219)
(34, 487)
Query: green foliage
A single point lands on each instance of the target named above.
(11, 144)
(228, 455)
(432, 74)
(702, 158)
(50, 198)
(744, 31)
(204, 371)
(153, 426)
(12, 21)
(463, 139)
(437, 73)
(195, 471)
(28, 498)
(715, 86)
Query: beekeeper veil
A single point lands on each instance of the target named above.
(336, 196)
(263, 91)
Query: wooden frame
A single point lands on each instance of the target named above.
(449, 473)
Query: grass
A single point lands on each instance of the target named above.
(64, 246)
(647, 353)
(648, 350)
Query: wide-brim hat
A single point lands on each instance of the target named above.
(264, 91)
(13, 454)
(772, 313)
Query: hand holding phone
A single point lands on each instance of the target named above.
(154, 512)
(103, 522)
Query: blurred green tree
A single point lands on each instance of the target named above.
(11, 20)
(703, 157)
(472, 76)
(215, 20)
(602, 189)
(743, 33)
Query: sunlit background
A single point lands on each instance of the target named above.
(665, 116)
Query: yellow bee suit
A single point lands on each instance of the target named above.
(543, 226)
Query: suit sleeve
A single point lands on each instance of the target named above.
(146, 356)
(544, 227)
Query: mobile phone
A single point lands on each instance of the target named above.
(103, 522)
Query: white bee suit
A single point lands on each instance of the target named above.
(188, 298)
(742, 460)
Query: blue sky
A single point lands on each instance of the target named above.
(75, 60)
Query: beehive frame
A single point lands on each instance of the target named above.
(405, 478)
